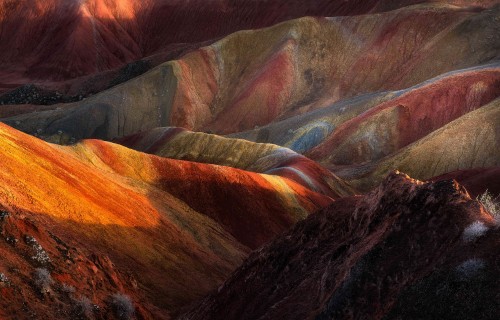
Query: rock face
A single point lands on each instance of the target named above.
(407, 250)
(177, 228)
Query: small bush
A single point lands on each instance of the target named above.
(4, 214)
(474, 231)
(84, 308)
(40, 255)
(122, 306)
(66, 288)
(491, 205)
(3, 278)
(470, 267)
(42, 280)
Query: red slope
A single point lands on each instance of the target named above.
(139, 210)
(178, 143)
(251, 78)
(476, 181)
(397, 252)
(60, 40)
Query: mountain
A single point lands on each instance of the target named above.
(407, 250)
(354, 131)
(253, 78)
(468, 142)
(477, 180)
(65, 50)
(240, 159)
(178, 143)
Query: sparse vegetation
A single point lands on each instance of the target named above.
(470, 267)
(84, 308)
(474, 231)
(491, 204)
(122, 306)
(40, 255)
(3, 278)
(466, 292)
(67, 288)
(42, 280)
(4, 214)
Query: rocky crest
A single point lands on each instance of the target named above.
(407, 250)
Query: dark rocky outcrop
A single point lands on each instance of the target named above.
(407, 250)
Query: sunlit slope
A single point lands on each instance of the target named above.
(252, 78)
(371, 126)
(177, 143)
(469, 142)
(188, 224)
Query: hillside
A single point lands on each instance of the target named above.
(242, 159)
(407, 250)
(177, 228)
(253, 78)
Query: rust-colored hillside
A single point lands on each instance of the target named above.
(234, 159)
(172, 230)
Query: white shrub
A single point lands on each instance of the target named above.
(122, 306)
(42, 280)
(474, 231)
(491, 205)
(470, 267)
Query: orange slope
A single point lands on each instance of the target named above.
(178, 227)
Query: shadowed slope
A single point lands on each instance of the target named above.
(477, 180)
(399, 251)
(180, 144)
(72, 279)
(138, 209)
(59, 39)
(252, 78)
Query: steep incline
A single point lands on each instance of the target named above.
(407, 250)
(177, 227)
(252, 78)
(477, 181)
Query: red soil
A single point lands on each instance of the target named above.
(271, 86)
(288, 164)
(58, 40)
(166, 223)
(476, 181)
(370, 257)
